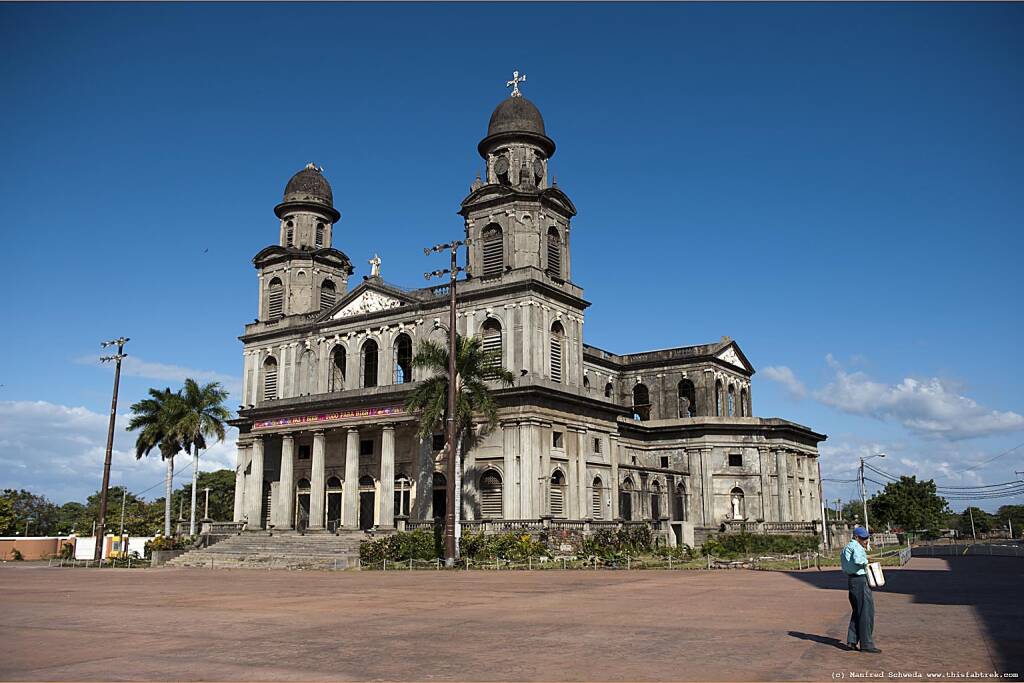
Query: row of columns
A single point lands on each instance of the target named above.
(249, 490)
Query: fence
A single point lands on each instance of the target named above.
(970, 549)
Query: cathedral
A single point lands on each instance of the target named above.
(666, 437)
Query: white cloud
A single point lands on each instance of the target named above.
(930, 407)
(58, 451)
(784, 376)
(133, 366)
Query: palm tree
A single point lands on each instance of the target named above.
(201, 415)
(475, 367)
(155, 417)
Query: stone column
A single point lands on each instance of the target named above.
(350, 488)
(316, 483)
(240, 464)
(387, 477)
(286, 490)
(707, 487)
(527, 478)
(782, 475)
(510, 484)
(581, 475)
(766, 491)
(527, 337)
(254, 496)
(694, 489)
(613, 455)
(543, 478)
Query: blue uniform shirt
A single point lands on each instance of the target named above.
(854, 559)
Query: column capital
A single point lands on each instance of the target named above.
(288, 437)
(319, 433)
(257, 439)
(388, 427)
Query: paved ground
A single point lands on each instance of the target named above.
(936, 615)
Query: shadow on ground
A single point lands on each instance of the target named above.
(992, 585)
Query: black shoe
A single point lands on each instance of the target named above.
(872, 650)
(852, 647)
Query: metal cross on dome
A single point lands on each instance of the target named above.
(514, 83)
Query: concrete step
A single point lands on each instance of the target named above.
(316, 550)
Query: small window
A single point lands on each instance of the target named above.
(597, 445)
(439, 442)
(305, 452)
(289, 234)
(609, 390)
(275, 299)
(366, 447)
(735, 460)
(664, 462)
(319, 235)
(328, 294)
(554, 268)
(557, 440)
(493, 251)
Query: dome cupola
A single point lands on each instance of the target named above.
(516, 119)
(308, 188)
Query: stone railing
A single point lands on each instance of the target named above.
(736, 526)
(502, 526)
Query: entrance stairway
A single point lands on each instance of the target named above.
(281, 550)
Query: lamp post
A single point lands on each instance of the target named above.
(124, 495)
(206, 508)
(863, 489)
(453, 270)
(101, 523)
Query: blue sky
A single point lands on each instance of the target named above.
(835, 186)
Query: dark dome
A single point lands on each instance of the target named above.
(516, 118)
(309, 184)
(516, 115)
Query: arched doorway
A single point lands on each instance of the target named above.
(333, 503)
(597, 499)
(557, 494)
(302, 489)
(440, 501)
(679, 503)
(655, 501)
(736, 500)
(641, 402)
(626, 500)
(367, 501)
(267, 501)
(403, 489)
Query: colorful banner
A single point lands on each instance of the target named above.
(333, 416)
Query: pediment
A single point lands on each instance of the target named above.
(733, 356)
(367, 301)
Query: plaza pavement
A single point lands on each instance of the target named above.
(935, 615)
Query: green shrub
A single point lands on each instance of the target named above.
(168, 543)
(679, 552)
(615, 543)
(67, 551)
(16, 555)
(743, 544)
(401, 547)
(509, 546)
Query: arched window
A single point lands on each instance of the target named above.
(491, 332)
(319, 235)
(490, 495)
(302, 489)
(289, 234)
(597, 499)
(557, 343)
(641, 402)
(679, 503)
(402, 492)
(655, 500)
(403, 359)
(744, 403)
(275, 299)
(338, 361)
(557, 494)
(328, 294)
(554, 253)
(736, 498)
(626, 500)
(367, 502)
(333, 483)
(493, 251)
(609, 391)
(731, 407)
(369, 363)
(440, 498)
(270, 379)
(718, 397)
(687, 399)
(586, 383)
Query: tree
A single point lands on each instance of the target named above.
(202, 416)
(8, 521)
(908, 503)
(140, 518)
(155, 418)
(73, 517)
(983, 521)
(222, 493)
(1012, 513)
(37, 512)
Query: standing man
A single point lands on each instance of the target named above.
(855, 564)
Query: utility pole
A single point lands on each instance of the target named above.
(864, 490)
(124, 494)
(206, 509)
(970, 511)
(101, 523)
(450, 543)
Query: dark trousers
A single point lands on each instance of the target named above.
(862, 620)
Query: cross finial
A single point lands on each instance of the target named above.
(514, 83)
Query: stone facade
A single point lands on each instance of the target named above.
(667, 436)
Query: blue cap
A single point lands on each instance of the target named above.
(861, 532)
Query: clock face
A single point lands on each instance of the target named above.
(538, 168)
(501, 166)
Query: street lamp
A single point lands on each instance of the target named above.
(863, 489)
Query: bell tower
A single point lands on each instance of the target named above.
(303, 273)
(517, 218)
